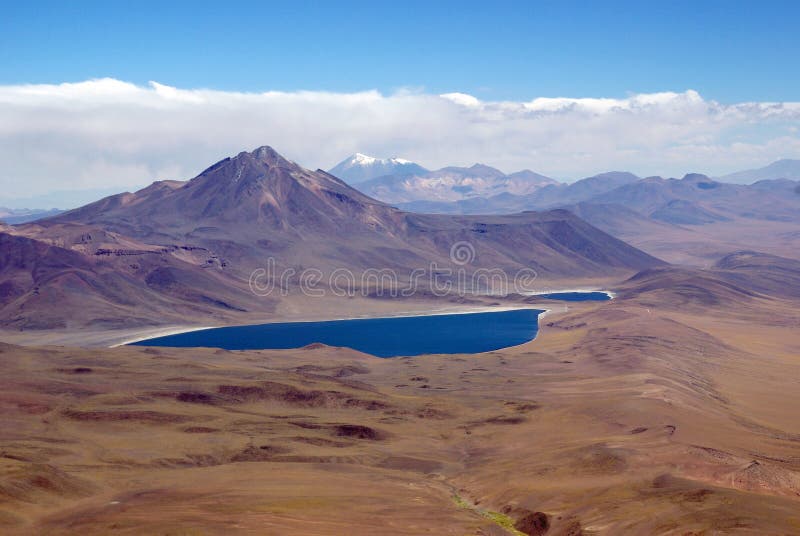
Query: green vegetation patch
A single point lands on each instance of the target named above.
(495, 517)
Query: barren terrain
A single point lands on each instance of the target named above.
(669, 410)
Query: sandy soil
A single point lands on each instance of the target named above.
(621, 418)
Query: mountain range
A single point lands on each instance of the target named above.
(452, 184)
(14, 216)
(178, 251)
(691, 220)
(780, 169)
(694, 220)
(694, 199)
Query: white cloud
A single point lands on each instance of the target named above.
(102, 133)
(462, 98)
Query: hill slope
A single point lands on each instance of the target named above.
(199, 242)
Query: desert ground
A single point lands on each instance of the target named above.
(671, 409)
(284, 193)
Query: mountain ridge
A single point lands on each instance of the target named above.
(453, 184)
(199, 242)
(786, 168)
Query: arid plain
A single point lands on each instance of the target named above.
(353, 268)
(669, 410)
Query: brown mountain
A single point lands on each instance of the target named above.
(736, 280)
(770, 275)
(694, 220)
(259, 204)
(44, 286)
(149, 256)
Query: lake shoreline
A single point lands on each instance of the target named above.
(439, 332)
(446, 311)
(454, 310)
(178, 330)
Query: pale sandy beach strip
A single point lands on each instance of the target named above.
(161, 332)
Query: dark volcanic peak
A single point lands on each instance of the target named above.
(256, 189)
(265, 155)
(265, 170)
(268, 155)
(258, 161)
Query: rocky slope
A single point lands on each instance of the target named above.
(198, 242)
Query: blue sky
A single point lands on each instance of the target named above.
(109, 96)
(728, 51)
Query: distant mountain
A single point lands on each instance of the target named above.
(781, 169)
(453, 184)
(185, 250)
(14, 216)
(63, 199)
(697, 199)
(693, 200)
(360, 167)
(582, 190)
(618, 220)
(733, 281)
(768, 274)
(778, 186)
(692, 220)
(533, 192)
(680, 211)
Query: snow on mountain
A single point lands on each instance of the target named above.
(360, 167)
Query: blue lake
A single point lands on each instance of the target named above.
(383, 337)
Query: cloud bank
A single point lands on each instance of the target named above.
(108, 133)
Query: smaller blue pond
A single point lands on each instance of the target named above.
(576, 296)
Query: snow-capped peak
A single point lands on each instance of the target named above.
(360, 167)
(362, 159)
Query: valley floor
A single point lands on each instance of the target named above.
(298, 309)
(635, 416)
